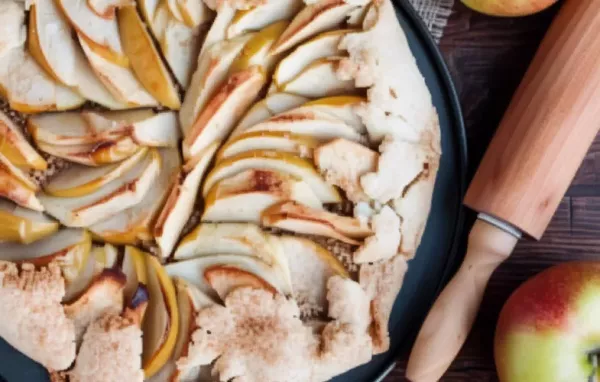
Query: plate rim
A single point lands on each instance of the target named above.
(460, 135)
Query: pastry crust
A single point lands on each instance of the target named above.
(258, 336)
(382, 282)
(111, 351)
(38, 326)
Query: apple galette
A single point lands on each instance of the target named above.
(198, 190)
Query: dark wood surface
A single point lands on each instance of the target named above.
(487, 58)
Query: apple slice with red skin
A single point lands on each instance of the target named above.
(549, 325)
(225, 278)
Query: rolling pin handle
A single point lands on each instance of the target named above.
(451, 317)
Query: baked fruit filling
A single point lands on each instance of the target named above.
(199, 190)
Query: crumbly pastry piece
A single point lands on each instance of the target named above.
(399, 102)
(258, 336)
(104, 296)
(38, 326)
(415, 203)
(386, 240)
(111, 351)
(382, 282)
(343, 163)
(400, 163)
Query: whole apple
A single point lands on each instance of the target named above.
(509, 7)
(549, 325)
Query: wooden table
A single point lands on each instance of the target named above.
(487, 58)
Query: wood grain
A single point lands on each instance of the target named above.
(487, 58)
(548, 127)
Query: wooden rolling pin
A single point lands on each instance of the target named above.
(541, 142)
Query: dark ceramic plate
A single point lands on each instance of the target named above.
(436, 256)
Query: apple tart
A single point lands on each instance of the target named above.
(199, 190)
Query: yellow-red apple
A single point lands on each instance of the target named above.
(509, 7)
(550, 325)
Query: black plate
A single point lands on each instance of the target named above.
(436, 257)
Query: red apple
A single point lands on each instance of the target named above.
(509, 7)
(549, 325)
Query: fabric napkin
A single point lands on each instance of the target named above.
(435, 14)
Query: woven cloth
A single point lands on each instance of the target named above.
(435, 14)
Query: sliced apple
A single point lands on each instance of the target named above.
(84, 278)
(319, 79)
(258, 17)
(181, 200)
(243, 197)
(116, 196)
(101, 34)
(357, 16)
(148, 9)
(70, 248)
(52, 46)
(12, 19)
(273, 104)
(180, 46)
(313, 19)
(23, 225)
(275, 218)
(135, 224)
(347, 226)
(15, 147)
(145, 59)
(224, 279)
(79, 180)
(93, 154)
(106, 8)
(277, 161)
(194, 12)
(15, 185)
(161, 323)
(244, 239)
(174, 10)
(218, 30)
(225, 108)
(62, 129)
(341, 107)
(16, 172)
(311, 266)
(257, 50)
(212, 72)
(301, 145)
(235, 238)
(106, 256)
(144, 127)
(312, 122)
(18, 71)
(134, 267)
(193, 270)
(119, 80)
(190, 300)
(322, 46)
(14, 190)
(343, 163)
